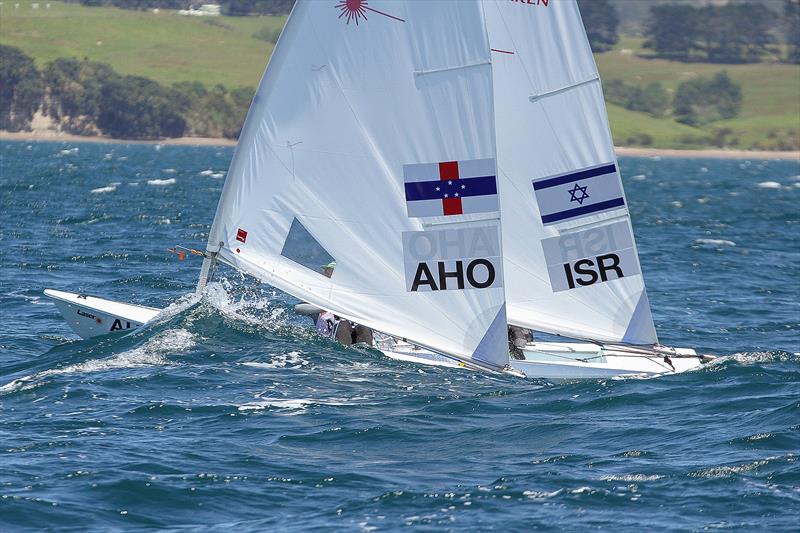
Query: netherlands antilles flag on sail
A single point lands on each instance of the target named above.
(579, 193)
(451, 188)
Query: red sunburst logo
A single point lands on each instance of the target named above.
(353, 10)
(356, 10)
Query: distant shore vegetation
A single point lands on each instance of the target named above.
(84, 97)
(676, 74)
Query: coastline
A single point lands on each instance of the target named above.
(623, 151)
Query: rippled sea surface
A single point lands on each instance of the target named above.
(229, 412)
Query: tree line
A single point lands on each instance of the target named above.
(696, 102)
(91, 98)
(730, 33)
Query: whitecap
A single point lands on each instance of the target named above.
(168, 170)
(70, 151)
(217, 175)
(293, 404)
(100, 190)
(639, 177)
(727, 471)
(291, 359)
(541, 495)
(152, 352)
(207, 172)
(170, 181)
(677, 203)
(633, 478)
(769, 185)
(715, 242)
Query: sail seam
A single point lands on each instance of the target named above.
(537, 97)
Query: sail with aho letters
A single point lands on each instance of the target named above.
(571, 265)
(372, 133)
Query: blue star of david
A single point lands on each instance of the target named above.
(578, 189)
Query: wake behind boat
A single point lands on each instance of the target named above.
(455, 160)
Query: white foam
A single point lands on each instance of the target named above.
(291, 404)
(217, 175)
(639, 177)
(70, 151)
(169, 181)
(769, 185)
(168, 170)
(727, 471)
(101, 190)
(152, 352)
(632, 478)
(291, 360)
(715, 242)
(242, 309)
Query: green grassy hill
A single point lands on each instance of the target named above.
(168, 47)
(164, 46)
(770, 106)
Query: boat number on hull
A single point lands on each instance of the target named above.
(452, 259)
(591, 256)
(120, 324)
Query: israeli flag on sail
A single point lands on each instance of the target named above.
(451, 188)
(579, 193)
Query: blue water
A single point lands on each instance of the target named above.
(229, 412)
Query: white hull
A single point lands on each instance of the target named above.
(560, 361)
(89, 316)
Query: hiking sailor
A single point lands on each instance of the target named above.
(338, 328)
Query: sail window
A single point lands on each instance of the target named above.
(302, 248)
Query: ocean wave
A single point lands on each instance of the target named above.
(161, 183)
(769, 185)
(632, 478)
(152, 352)
(287, 360)
(715, 242)
(728, 471)
(101, 190)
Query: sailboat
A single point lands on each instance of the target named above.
(455, 160)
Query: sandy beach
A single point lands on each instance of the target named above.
(49, 135)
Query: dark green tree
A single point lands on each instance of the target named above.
(21, 89)
(700, 101)
(138, 108)
(74, 93)
(671, 31)
(736, 33)
(602, 23)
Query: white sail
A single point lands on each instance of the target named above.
(363, 108)
(570, 259)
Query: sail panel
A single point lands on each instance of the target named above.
(564, 210)
(355, 92)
